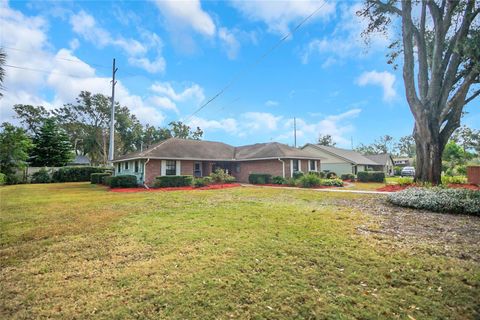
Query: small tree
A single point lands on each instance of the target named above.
(52, 146)
(326, 140)
(14, 147)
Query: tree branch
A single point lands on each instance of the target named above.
(473, 96)
(422, 54)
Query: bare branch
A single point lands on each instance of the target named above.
(473, 96)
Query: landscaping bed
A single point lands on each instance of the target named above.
(287, 186)
(209, 187)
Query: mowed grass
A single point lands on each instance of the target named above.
(77, 251)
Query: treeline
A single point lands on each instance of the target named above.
(55, 137)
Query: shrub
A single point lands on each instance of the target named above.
(96, 178)
(12, 179)
(297, 175)
(454, 179)
(309, 181)
(230, 179)
(397, 170)
(314, 173)
(290, 182)
(347, 176)
(199, 182)
(371, 176)
(173, 181)
(331, 175)
(404, 181)
(322, 174)
(123, 181)
(220, 176)
(259, 178)
(278, 180)
(3, 179)
(41, 176)
(331, 182)
(107, 180)
(438, 199)
(76, 174)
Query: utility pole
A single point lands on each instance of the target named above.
(295, 132)
(112, 117)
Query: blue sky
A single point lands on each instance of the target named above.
(173, 56)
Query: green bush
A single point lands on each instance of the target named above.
(454, 180)
(404, 181)
(123, 181)
(259, 178)
(331, 175)
(76, 174)
(3, 179)
(322, 174)
(41, 176)
(314, 173)
(371, 176)
(220, 176)
(173, 181)
(397, 170)
(96, 178)
(438, 199)
(278, 180)
(347, 176)
(297, 175)
(199, 182)
(291, 182)
(331, 182)
(12, 179)
(230, 179)
(309, 181)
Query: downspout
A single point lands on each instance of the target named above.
(145, 173)
(283, 167)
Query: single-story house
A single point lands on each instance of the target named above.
(341, 161)
(403, 162)
(80, 160)
(199, 158)
(385, 163)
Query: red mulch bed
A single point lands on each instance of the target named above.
(210, 187)
(284, 185)
(396, 187)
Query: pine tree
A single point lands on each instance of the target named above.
(52, 146)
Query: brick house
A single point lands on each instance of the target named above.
(199, 158)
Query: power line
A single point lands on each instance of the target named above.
(256, 62)
(45, 71)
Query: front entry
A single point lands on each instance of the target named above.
(197, 169)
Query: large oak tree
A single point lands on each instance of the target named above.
(440, 46)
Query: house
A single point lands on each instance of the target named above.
(199, 158)
(340, 161)
(403, 162)
(385, 163)
(80, 160)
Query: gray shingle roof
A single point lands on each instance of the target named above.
(348, 155)
(176, 148)
(381, 159)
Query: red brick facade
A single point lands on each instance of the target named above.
(473, 174)
(245, 168)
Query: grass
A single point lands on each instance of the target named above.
(79, 251)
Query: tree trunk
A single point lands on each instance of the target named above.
(429, 147)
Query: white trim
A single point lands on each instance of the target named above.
(219, 160)
(291, 168)
(163, 168)
(178, 167)
(299, 165)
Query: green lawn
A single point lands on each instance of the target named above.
(80, 251)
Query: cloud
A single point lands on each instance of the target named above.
(166, 96)
(228, 125)
(345, 40)
(271, 103)
(86, 26)
(187, 14)
(261, 121)
(384, 79)
(280, 16)
(230, 43)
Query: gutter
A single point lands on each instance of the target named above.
(283, 166)
(145, 173)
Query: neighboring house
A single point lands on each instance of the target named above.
(199, 158)
(80, 160)
(340, 161)
(403, 162)
(385, 163)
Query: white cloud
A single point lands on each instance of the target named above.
(271, 103)
(230, 42)
(187, 14)
(228, 125)
(346, 40)
(384, 79)
(193, 92)
(261, 121)
(279, 16)
(86, 26)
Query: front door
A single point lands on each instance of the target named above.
(197, 169)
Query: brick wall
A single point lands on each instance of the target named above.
(473, 174)
(273, 167)
(186, 167)
(153, 169)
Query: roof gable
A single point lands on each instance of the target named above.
(345, 154)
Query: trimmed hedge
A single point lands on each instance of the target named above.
(259, 178)
(309, 181)
(279, 180)
(371, 176)
(173, 181)
(297, 175)
(438, 199)
(331, 183)
(123, 181)
(76, 174)
(96, 178)
(331, 175)
(347, 176)
(3, 179)
(41, 176)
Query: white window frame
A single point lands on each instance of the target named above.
(163, 169)
(299, 166)
(315, 167)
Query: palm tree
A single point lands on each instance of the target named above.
(3, 61)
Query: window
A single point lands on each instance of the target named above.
(118, 167)
(237, 168)
(170, 167)
(136, 166)
(295, 165)
(312, 165)
(126, 165)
